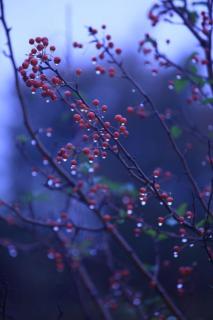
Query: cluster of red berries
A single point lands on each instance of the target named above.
(106, 44)
(31, 69)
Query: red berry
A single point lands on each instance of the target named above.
(118, 50)
(57, 60)
(118, 117)
(95, 102)
(104, 108)
(86, 151)
(77, 117)
(34, 62)
(31, 41)
(130, 109)
(78, 71)
(91, 115)
(38, 39)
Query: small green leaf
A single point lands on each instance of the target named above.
(122, 213)
(200, 223)
(28, 197)
(176, 132)
(193, 16)
(22, 138)
(207, 101)
(180, 84)
(162, 236)
(198, 80)
(182, 209)
(150, 232)
(193, 69)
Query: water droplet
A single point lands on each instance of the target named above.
(136, 301)
(50, 255)
(49, 134)
(139, 225)
(50, 182)
(45, 162)
(34, 173)
(93, 252)
(175, 255)
(12, 251)
(33, 142)
(57, 185)
(179, 286)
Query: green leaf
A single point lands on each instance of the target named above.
(122, 213)
(193, 16)
(119, 188)
(182, 209)
(69, 191)
(28, 197)
(176, 132)
(180, 84)
(200, 223)
(198, 80)
(162, 236)
(22, 138)
(150, 232)
(193, 69)
(207, 101)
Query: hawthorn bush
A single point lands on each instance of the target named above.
(136, 240)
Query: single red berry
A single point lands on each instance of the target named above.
(77, 117)
(57, 60)
(31, 41)
(86, 151)
(73, 162)
(130, 109)
(38, 39)
(34, 62)
(78, 71)
(118, 50)
(104, 108)
(91, 115)
(118, 117)
(95, 102)
(107, 218)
